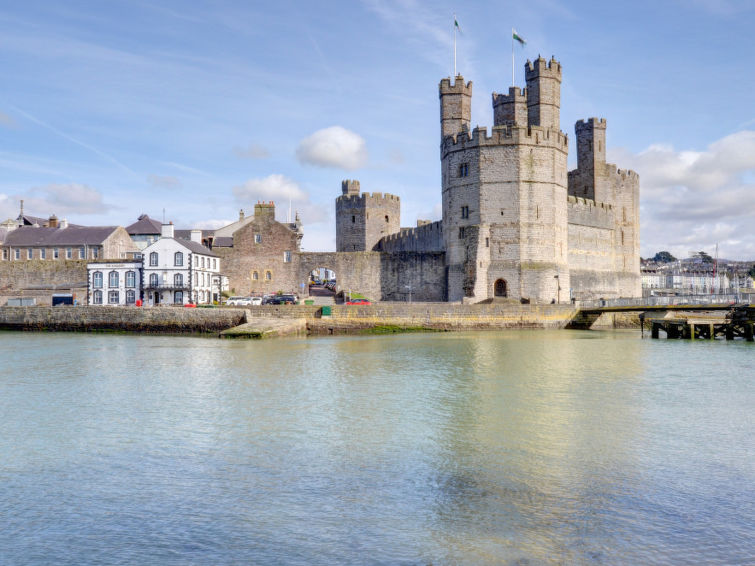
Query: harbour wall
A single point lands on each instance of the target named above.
(343, 318)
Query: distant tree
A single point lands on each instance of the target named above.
(751, 272)
(704, 257)
(663, 257)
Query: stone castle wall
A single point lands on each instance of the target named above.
(424, 238)
(42, 278)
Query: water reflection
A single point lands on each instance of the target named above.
(482, 448)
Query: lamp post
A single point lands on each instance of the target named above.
(558, 290)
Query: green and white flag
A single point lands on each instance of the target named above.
(519, 38)
(456, 24)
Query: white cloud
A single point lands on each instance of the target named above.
(333, 147)
(164, 181)
(282, 191)
(212, 224)
(692, 200)
(252, 151)
(273, 187)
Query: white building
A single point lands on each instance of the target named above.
(180, 271)
(114, 283)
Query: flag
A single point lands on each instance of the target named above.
(519, 38)
(456, 24)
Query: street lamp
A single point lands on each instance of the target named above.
(558, 291)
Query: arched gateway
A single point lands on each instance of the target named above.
(500, 289)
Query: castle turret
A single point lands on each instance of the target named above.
(363, 219)
(589, 181)
(510, 109)
(455, 106)
(543, 93)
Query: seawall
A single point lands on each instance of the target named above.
(344, 319)
(126, 319)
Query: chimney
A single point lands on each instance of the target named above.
(63, 224)
(52, 222)
(196, 236)
(167, 230)
(264, 210)
(241, 215)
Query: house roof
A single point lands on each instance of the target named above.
(196, 248)
(71, 236)
(186, 234)
(144, 225)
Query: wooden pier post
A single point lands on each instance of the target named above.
(748, 331)
(654, 329)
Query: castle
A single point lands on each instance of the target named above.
(516, 223)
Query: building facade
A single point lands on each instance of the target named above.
(114, 283)
(177, 271)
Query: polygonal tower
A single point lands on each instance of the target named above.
(363, 219)
(505, 225)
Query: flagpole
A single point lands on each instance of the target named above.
(513, 83)
(454, 24)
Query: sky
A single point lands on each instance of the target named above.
(113, 109)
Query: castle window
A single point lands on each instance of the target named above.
(487, 242)
(353, 219)
(386, 218)
(255, 276)
(258, 238)
(463, 169)
(287, 257)
(462, 232)
(268, 276)
(465, 212)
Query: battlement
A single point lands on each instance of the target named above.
(542, 68)
(588, 203)
(515, 95)
(363, 199)
(458, 86)
(506, 135)
(350, 187)
(623, 173)
(425, 237)
(590, 124)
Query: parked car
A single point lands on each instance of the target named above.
(359, 302)
(239, 301)
(256, 301)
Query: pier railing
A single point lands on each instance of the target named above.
(727, 299)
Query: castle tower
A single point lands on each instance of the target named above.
(455, 106)
(505, 226)
(543, 93)
(510, 109)
(363, 219)
(590, 180)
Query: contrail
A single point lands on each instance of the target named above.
(94, 150)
